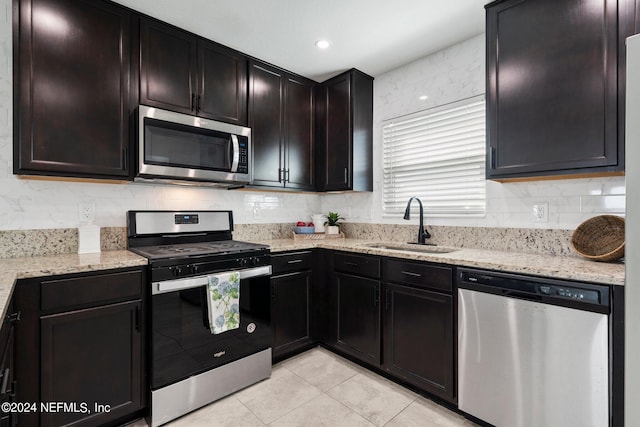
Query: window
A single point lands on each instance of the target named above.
(439, 156)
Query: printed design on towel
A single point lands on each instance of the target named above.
(224, 297)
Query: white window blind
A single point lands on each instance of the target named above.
(439, 156)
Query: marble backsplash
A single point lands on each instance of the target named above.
(20, 243)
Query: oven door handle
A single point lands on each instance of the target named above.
(194, 282)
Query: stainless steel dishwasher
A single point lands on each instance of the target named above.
(532, 352)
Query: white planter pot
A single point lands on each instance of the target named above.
(332, 229)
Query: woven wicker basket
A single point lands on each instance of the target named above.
(600, 238)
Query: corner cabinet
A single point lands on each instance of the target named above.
(72, 88)
(281, 117)
(555, 87)
(188, 74)
(85, 335)
(344, 110)
(396, 317)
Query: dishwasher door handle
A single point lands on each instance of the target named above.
(522, 295)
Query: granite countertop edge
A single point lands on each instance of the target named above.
(558, 267)
(12, 269)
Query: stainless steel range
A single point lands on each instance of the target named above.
(210, 308)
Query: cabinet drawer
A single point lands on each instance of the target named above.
(88, 291)
(358, 265)
(291, 261)
(419, 274)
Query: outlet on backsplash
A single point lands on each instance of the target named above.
(86, 212)
(540, 212)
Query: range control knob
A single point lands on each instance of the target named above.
(255, 260)
(177, 271)
(195, 269)
(242, 262)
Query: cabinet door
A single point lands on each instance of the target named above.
(222, 76)
(337, 145)
(553, 88)
(290, 311)
(72, 89)
(266, 91)
(299, 122)
(358, 323)
(167, 67)
(93, 356)
(7, 368)
(345, 133)
(418, 344)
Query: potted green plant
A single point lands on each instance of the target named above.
(332, 223)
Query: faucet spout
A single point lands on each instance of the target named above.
(423, 234)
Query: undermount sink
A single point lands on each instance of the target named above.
(408, 247)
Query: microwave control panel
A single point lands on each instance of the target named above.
(243, 165)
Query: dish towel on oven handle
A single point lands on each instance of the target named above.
(223, 301)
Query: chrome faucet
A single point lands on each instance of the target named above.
(422, 232)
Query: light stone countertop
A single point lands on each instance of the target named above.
(561, 267)
(12, 269)
(558, 267)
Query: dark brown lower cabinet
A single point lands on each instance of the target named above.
(395, 316)
(89, 357)
(419, 324)
(291, 297)
(418, 341)
(7, 369)
(290, 311)
(81, 348)
(358, 323)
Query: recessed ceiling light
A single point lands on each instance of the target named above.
(322, 44)
(423, 98)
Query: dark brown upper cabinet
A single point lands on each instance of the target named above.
(344, 111)
(281, 117)
(555, 87)
(72, 79)
(188, 74)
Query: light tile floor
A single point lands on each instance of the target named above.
(319, 388)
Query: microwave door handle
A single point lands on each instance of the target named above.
(235, 153)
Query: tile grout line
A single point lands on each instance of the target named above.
(297, 407)
(401, 411)
(249, 409)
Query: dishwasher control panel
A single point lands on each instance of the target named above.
(572, 293)
(585, 296)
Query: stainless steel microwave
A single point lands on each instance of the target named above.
(175, 147)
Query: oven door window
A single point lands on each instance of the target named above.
(184, 346)
(172, 144)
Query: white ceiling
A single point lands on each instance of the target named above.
(373, 36)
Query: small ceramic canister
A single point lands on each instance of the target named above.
(318, 222)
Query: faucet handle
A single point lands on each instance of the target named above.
(426, 233)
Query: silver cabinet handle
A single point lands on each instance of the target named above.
(5, 382)
(410, 273)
